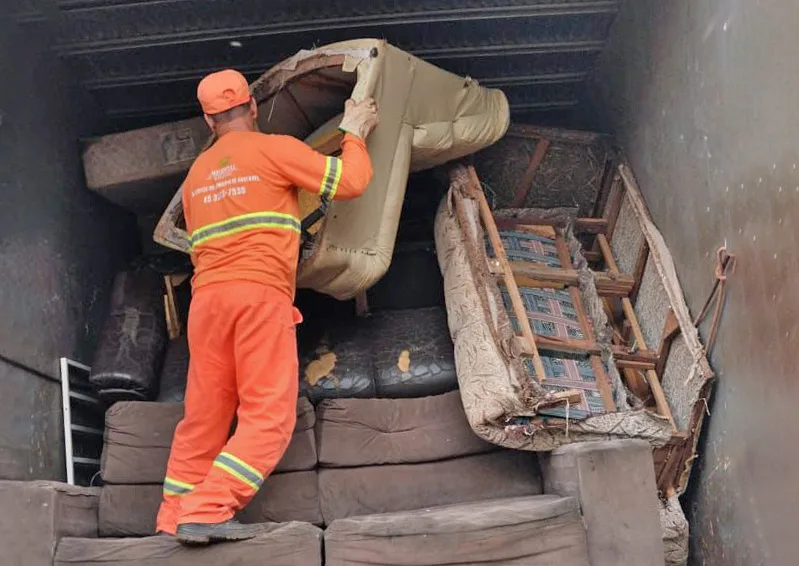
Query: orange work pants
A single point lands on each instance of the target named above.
(243, 350)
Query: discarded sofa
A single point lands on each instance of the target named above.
(427, 117)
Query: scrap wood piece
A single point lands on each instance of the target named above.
(170, 309)
(554, 134)
(571, 396)
(526, 183)
(627, 306)
(510, 282)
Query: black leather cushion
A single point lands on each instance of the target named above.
(414, 356)
(404, 353)
(341, 365)
(127, 362)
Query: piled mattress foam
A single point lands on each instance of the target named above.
(137, 443)
(545, 530)
(36, 515)
(290, 544)
(367, 445)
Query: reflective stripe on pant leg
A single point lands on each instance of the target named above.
(175, 487)
(239, 469)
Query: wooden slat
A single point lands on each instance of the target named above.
(615, 199)
(536, 275)
(634, 365)
(670, 331)
(660, 397)
(563, 252)
(607, 253)
(581, 225)
(640, 360)
(602, 379)
(605, 184)
(590, 226)
(630, 369)
(591, 256)
(171, 310)
(524, 186)
(554, 134)
(613, 208)
(651, 377)
(638, 270)
(629, 313)
(513, 290)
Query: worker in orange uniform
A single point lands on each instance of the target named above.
(242, 217)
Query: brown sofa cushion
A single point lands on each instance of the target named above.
(290, 544)
(544, 530)
(35, 515)
(365, 432)
(347, 492)
(130, 510)
(138, 437)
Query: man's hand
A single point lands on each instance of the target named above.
(360, 118)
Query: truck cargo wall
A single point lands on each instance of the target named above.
(702, 97)
(59, 246)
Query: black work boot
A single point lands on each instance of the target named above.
(205, 533)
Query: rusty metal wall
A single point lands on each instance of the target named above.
(702, 95)
(59, 247)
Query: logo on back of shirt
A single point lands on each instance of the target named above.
(225, 169)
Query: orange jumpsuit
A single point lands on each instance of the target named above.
(241, 208)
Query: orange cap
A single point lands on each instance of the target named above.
(221, 91)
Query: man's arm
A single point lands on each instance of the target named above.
(342, 177)
(339, 178)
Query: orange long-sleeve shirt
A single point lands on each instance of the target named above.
(241, 207)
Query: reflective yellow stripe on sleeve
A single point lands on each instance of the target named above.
(331, 178)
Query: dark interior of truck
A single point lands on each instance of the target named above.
(558, 355)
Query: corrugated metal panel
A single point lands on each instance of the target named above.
(143, 58)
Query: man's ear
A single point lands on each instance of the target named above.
(211, 123)
(253, 109)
